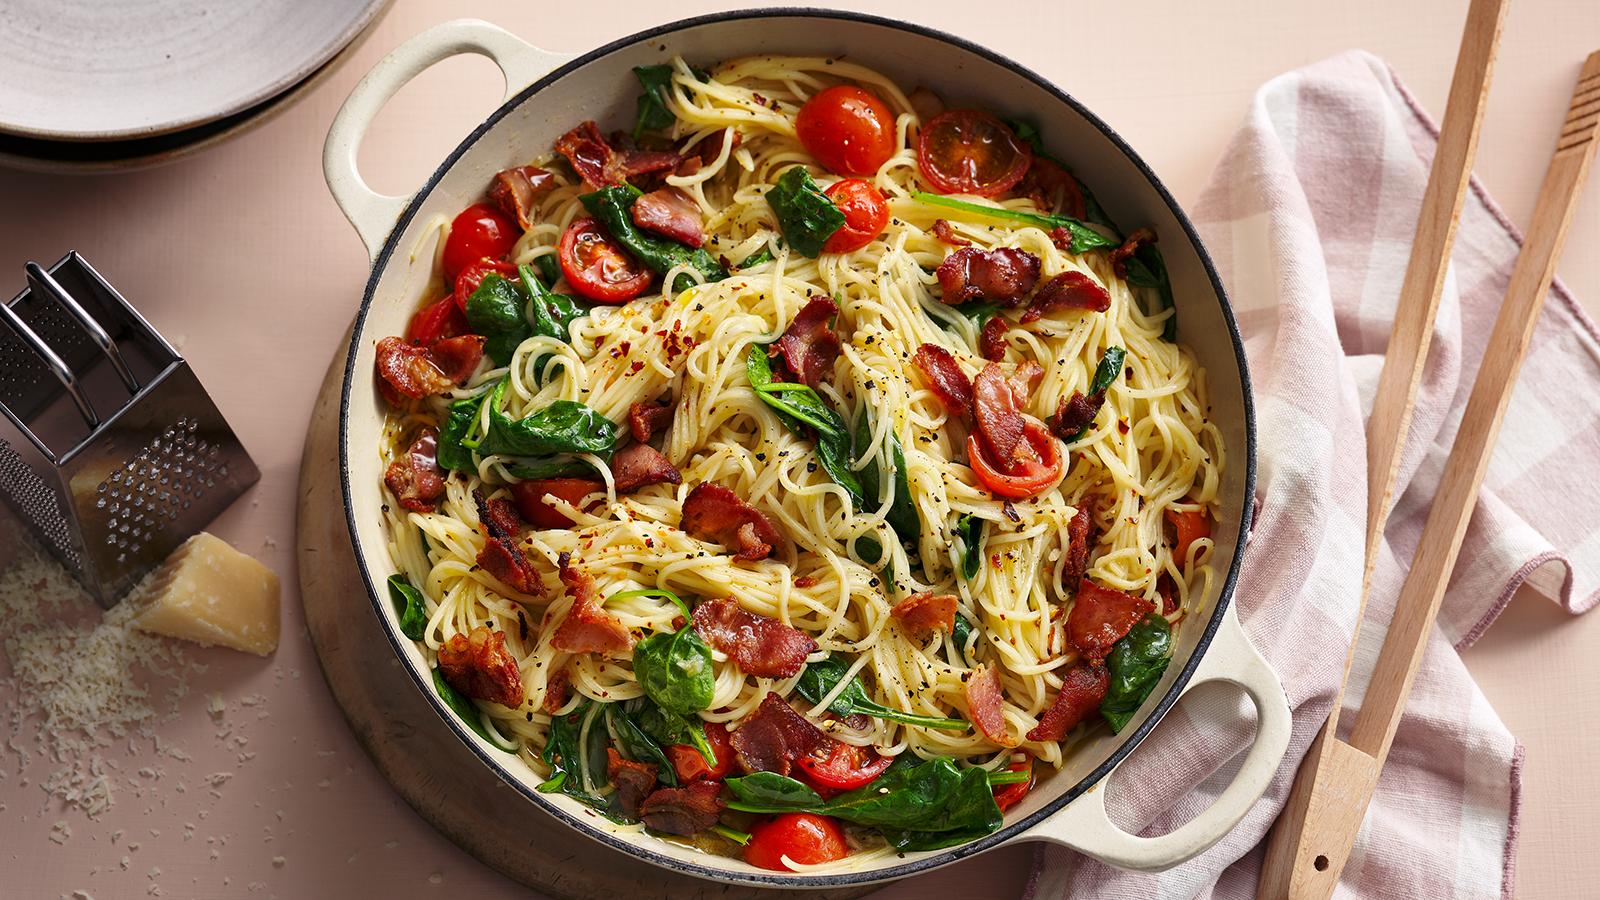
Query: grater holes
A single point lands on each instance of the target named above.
(35, 501)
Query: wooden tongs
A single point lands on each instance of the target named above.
(1311, 842)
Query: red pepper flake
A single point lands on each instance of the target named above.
(1122, 426)
(636, 367)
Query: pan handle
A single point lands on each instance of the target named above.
(374, 214)
(1084, 826)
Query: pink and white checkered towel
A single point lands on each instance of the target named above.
(1309, 217)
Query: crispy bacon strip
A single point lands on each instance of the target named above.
(712, 512)
(638, 465)
(588, 628)
(1069, 290)
(994, 405)
(684, 811)
(986, 707)
(925, 612)
(516, 189)
(945, 378)
(500, 556)
(477, 664)
(1100, 617)
(1080, 541)
(645, 419)
(415, 478)
(599, 164)
(760, 645)
(946, 233)
(774, 737)
(809, 346)
(1004, 275)
(1119, 256)
(671, 212)
(1051, 187)
(1082, 690)
(1076, 413)
(407, 370)
(633, 781)
(992, 340)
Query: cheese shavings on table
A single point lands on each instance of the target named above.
(212, 594)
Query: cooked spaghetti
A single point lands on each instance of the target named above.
(814, 414)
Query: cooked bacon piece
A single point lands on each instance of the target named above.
(1023, 380)
(644, 419)
(1119, 256)
(986, 708)
(684, 811)
(588, 628)
(761, 645)
(633, 781)
(774, 737)
(638, 465)
(942, 230)
(671, 212)
(1100, 617)
(516, 189)
(415, 478)
(599, 164)
(1082, 690)
(1003, 276)
(477, 664)
(1000, 422)
(945, 378)
(1079, 542)
(809, 346)
(712, 512)
(1069, 290)
(926, 612)
(500, 556)
(1052, 188)
(992, 340)
(1076, 413)
(556, 691)
(407, 370)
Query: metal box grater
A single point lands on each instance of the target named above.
(112, 452)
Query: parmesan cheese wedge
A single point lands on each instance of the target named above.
(210, 593)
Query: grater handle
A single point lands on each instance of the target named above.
(57, 366)
(45, 283)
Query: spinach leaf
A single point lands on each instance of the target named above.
(654, 592)
(769, 792)
(671, 728)
(902, 515)
(675, 670)
(611, 205)
(635, 744)
(495, 311)
(460, 704)
(1136, 663)
(970, 529)
(961, 637)
(1084, 238)
(575, 751)
(819, 678)
(970, 812)
(652, 112)
(408, 606)
(799, 407)
(759, 258)
(456, 444)
(1147, 269)
(549, 267)
(1104, 374)
(550, 314)
(565, 426)
(979, 313)
(805, 214)
(552, 467)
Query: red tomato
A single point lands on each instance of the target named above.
(845, 768)
(1009, 795)
(529, 497)
(865, 215)
(691, 765)
(479, 232)
(1188, 526)
(848, 130)
(1026, 477)
(806, 838)
(597, 267)
(472, 276)
(438, 320)
(967, 151)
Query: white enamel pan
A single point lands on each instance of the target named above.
(547, 93)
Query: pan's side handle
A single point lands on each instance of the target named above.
(374, 214)
(1084, 826)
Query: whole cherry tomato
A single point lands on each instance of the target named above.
(598, 267)
(478, 232)
(967, 151)
(865, 215)
(849, 130)
(805, 838)
(1038, 468)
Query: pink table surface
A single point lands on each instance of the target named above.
(242, 257)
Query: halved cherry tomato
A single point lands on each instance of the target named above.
(849, 130)
(1188, 526)
(691, 765)
(1009, 795)
(529, 497)
(968, 151)
(845, 767)
(1037, 469)
(438, 320)
(865, 215)
(472, 276)
(478, 232)
(805, 838)
(597, 267)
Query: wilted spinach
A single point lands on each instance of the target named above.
(970, 529)
(1104, 374)
(799, 408)
(902, 515)
(970, 812)
(1084, 238)
(455, 445)
(819, 678)
(961, 637)
(613, 205)
(671, 728)
(495, 311)
(633, 742)
(805, 214)
(675, 670)
(408, 606)
(1147, 269)
(1136, 663)
(575, 751)
(461, 705)
(652, 112)
(565, 426)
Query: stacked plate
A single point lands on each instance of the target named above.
(99, 85)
